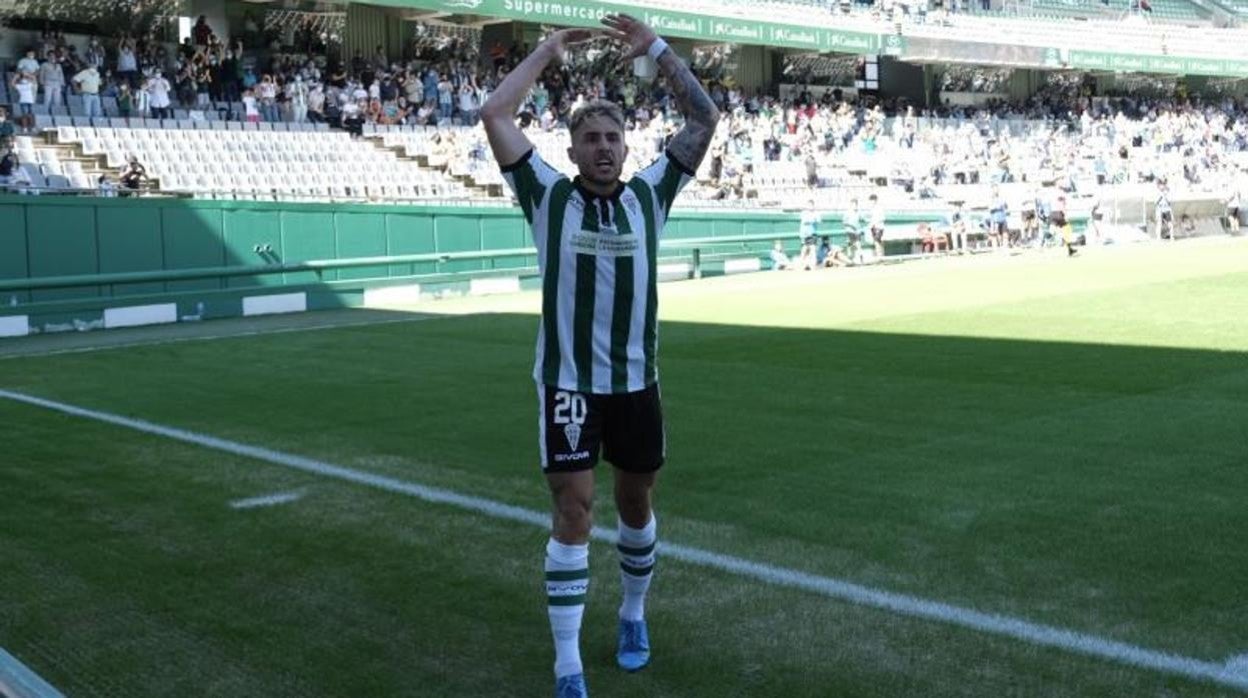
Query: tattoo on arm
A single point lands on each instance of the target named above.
(690, 144)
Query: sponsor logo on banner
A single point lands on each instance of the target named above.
(795, 36)
(733, 30)
(667, 23)
(858, 43)
(558, 10)
(603, 244)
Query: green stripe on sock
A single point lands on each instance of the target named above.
(636, 552)
(574, 600)
(637, 571)
(566, 575)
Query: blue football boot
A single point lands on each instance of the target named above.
(634, 649)
(572, 686)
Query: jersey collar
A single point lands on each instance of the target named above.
(587, 194)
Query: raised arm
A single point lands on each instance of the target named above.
(498, 114)
(690, 144)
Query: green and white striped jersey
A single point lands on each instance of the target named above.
(598, 258)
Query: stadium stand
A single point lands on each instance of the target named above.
(415, 141)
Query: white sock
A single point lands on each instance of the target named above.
(567, 581)
(637, 558)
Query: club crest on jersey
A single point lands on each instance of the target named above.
(573, 433)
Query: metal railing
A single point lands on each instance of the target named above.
(694, 245)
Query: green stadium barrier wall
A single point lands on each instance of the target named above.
(42, 237)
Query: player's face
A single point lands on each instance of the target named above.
(598, 150)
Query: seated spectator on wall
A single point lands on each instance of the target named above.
(7, 130)
(133, 175)
(106, 186)
(780, 260)
(9, 164)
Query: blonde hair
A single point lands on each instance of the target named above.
(597, 107)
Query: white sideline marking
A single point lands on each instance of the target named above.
(268, 500)
(17, 681)
(1224, 674)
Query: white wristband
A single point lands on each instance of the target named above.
(656, 49)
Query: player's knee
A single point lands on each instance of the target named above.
(573, 518)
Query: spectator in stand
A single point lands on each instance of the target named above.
(52, 79)
(28, 64)
(251, 107)
(316, 104)
(297, 97)
(201, 32)
(353, 117)
(266, 95)
(125, 100)
(203, 88)
(230, 77)
(127, 62)
(26, 88)
(430, 81)
(468, 107)
(446, 99)
(158, 95)
(88, 84)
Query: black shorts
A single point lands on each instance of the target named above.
(877, 234)
(627, 428)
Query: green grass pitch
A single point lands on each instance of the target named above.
(1062, 441)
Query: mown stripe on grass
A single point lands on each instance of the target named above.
(1221, 673)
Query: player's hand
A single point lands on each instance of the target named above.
(564, 38)
(630, 31)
